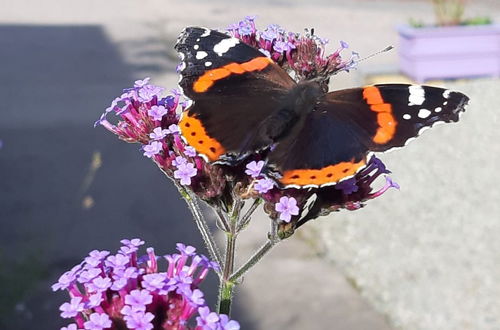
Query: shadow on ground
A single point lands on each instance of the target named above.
(56, 81)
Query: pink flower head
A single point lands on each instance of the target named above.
(172, 295)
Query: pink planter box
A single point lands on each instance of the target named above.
(449, 52)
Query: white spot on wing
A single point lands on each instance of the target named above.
(196, 47)
(309, 204)
(206, 33)
(208, 63)
(224, 45)
(201, 55)
(446, 93)
(417, 95)
(406, 116)
(438, 109)
(423, 113)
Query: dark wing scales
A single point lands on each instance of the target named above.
(233, 95)
(325, 150)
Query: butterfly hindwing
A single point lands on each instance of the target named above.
(337, 137)
(324, 151)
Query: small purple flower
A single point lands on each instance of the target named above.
(197, 297)
(130, 246)
(281, 46)
(100, 284)
(207, 319)
(147, 92)
(287, 207)
(141, 83)
(389, 183)
(154, 282)
(153, 148)
(264, 185)
(227, 324)
(253, 168)
(233, 27)
(72, 308)
(344, 44)
(98, 322)
(96, 257)
(158, 133)
(348, 186)
(139, 320)
(186, 249)
(119, 284)
(129, 272)
(185, 172)
(117, 261)
(157, 112)
(246, 28)
(138, 299)
(173, 129)
(179, 160)
(71, 326)
(190, 151)
(269, 34)
(64, 281)
(94, 300)
(89, 274)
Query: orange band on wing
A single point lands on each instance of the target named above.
(385, 120)
(204, 82)
(193, 131)
(372, 95)
(325, 175)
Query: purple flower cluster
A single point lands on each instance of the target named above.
(144, 116)
(124, 291)
(304, 55)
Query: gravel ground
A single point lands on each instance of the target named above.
(424, 258)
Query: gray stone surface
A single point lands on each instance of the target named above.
(425, 257)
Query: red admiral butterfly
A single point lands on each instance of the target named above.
(244, 102)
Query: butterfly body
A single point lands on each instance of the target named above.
(245, 103)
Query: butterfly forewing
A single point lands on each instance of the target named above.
(392, 114)
(234, 88)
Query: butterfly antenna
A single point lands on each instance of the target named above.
(386, 49)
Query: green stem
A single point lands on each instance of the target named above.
(225, 297)
(254, 259)
(202, 225)
(222, 221)
(226, 287)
